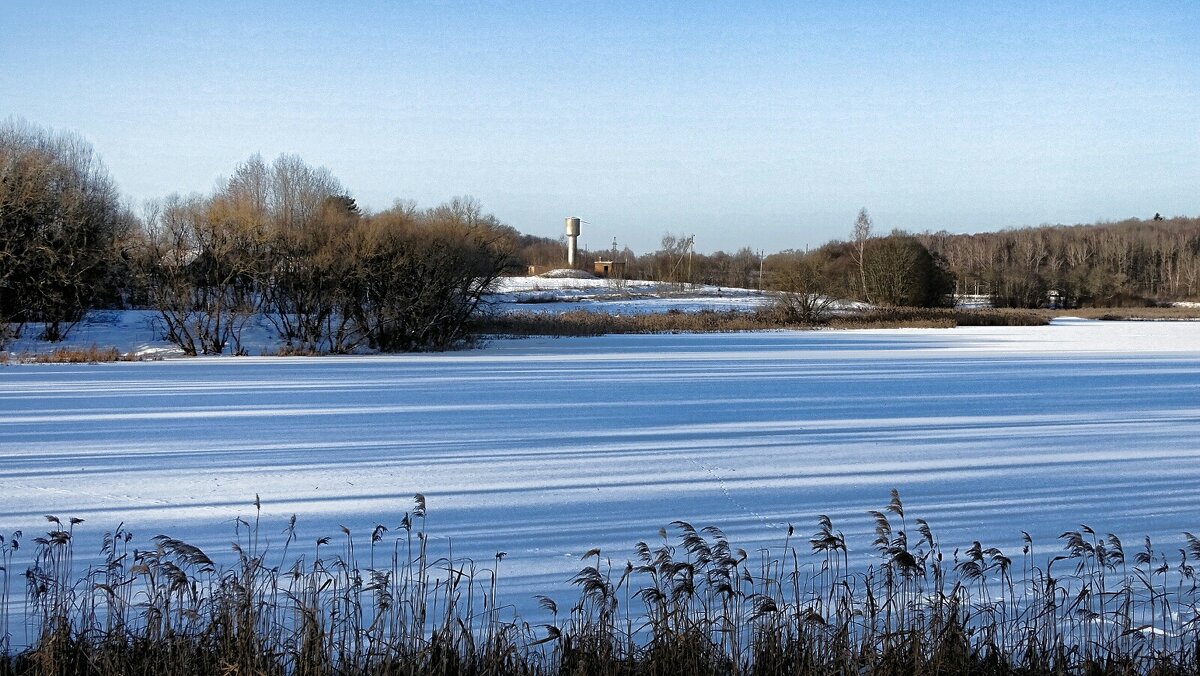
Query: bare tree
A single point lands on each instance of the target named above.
(306, 219)
(60, 219)
(802, 289)
(859, 238)
(204, 257)
(421, 277)
(673, 261)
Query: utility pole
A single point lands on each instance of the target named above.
(691, 250)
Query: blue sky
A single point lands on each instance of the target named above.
(765, 125)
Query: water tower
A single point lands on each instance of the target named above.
(572, 240)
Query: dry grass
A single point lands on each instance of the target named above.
(585, 323)
(1130, 314)
(905, 317)
(79, 355)
(295, 351)
(688, 602)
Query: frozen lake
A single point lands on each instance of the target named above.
(544, 448)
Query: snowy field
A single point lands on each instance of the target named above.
(622, 297)
(544, 448)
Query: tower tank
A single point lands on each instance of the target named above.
(572, 240)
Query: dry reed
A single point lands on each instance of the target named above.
(688, 602)
(584, 323)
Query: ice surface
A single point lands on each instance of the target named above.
(544, 448)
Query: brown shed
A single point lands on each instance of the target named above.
(610, 269)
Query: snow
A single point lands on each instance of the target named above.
(138, 332)
(544, 448)
(559, 294)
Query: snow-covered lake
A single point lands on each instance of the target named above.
(544, 448)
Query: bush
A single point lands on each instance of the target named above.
(418, 281)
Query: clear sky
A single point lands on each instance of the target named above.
(760, 124)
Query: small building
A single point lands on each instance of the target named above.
(1055, 299)
(609, 269)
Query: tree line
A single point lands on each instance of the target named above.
(282, 240)
(897, 269)
(285, 241)
(1133, 261)
(1130, 262)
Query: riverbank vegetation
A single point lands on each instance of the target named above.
(686, 601)
(773, 317)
